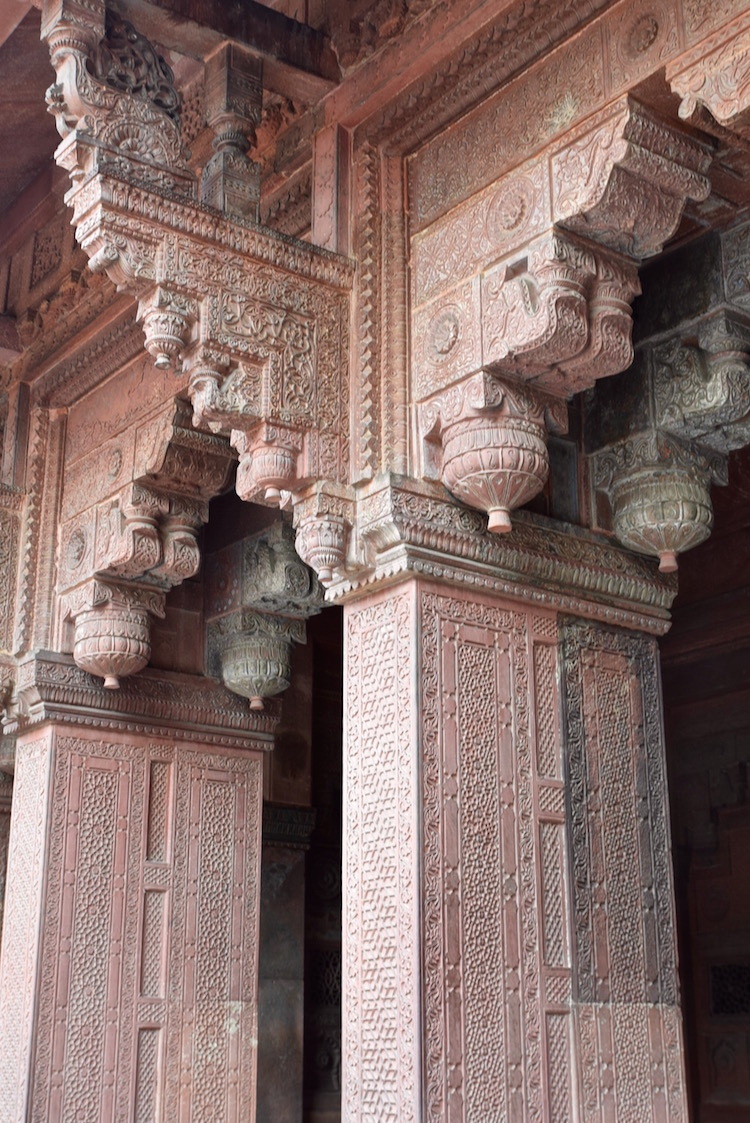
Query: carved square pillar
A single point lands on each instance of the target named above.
(129, 968)
(509, 949)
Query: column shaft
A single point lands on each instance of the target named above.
(472, 868)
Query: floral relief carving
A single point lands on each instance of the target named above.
(716, 76)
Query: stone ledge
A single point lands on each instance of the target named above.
(51, 687)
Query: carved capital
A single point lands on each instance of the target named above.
(625, 183)
(660, 491)
(487, 440)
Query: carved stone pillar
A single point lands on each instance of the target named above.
(128, 974)
(504, 809)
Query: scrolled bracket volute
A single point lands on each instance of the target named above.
(660, 492)
(486, 439)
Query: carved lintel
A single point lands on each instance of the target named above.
(487, 440)
(703, 392)
(660, 491)
(625, 183)
(715, 75)
(233, 101)
(113, 627)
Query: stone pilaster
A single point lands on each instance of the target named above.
(496, 752)
(129, 962)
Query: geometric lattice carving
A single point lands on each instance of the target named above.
(628, 1012)
(123, 1021)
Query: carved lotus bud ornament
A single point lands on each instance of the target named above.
(256, 651)
(269, 458)
(492, 439)
(113, 629)
(323, 522)
(660, 491)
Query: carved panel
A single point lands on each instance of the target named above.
(23, 908)
(381, 1020)
(628, 1013)
(147, 973)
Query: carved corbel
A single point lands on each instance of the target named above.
(112, 627)
(127, 547)
(324, 521)
(487, 440)
(535, 310)
(715, 76)
(624, 184)
(660, 492)
(703, 391)
(273, 454)
(561, 315)
(114, 101)
(259, 594)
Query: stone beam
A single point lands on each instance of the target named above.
(298, 60)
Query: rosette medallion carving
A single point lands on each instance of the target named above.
(487, 440)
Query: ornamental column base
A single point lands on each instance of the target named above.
(129, 966)
(509, 945)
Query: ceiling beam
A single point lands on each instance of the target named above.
(298, 60)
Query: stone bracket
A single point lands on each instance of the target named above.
(487, 440)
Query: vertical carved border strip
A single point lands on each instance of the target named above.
(394, 316)
(366, 399)
(381, 911)
(6, 801)
(49, 513)
(23, 906)
(27, 570)
(628, 1017)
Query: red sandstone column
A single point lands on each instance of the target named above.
(485, 978)
(128, 977)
